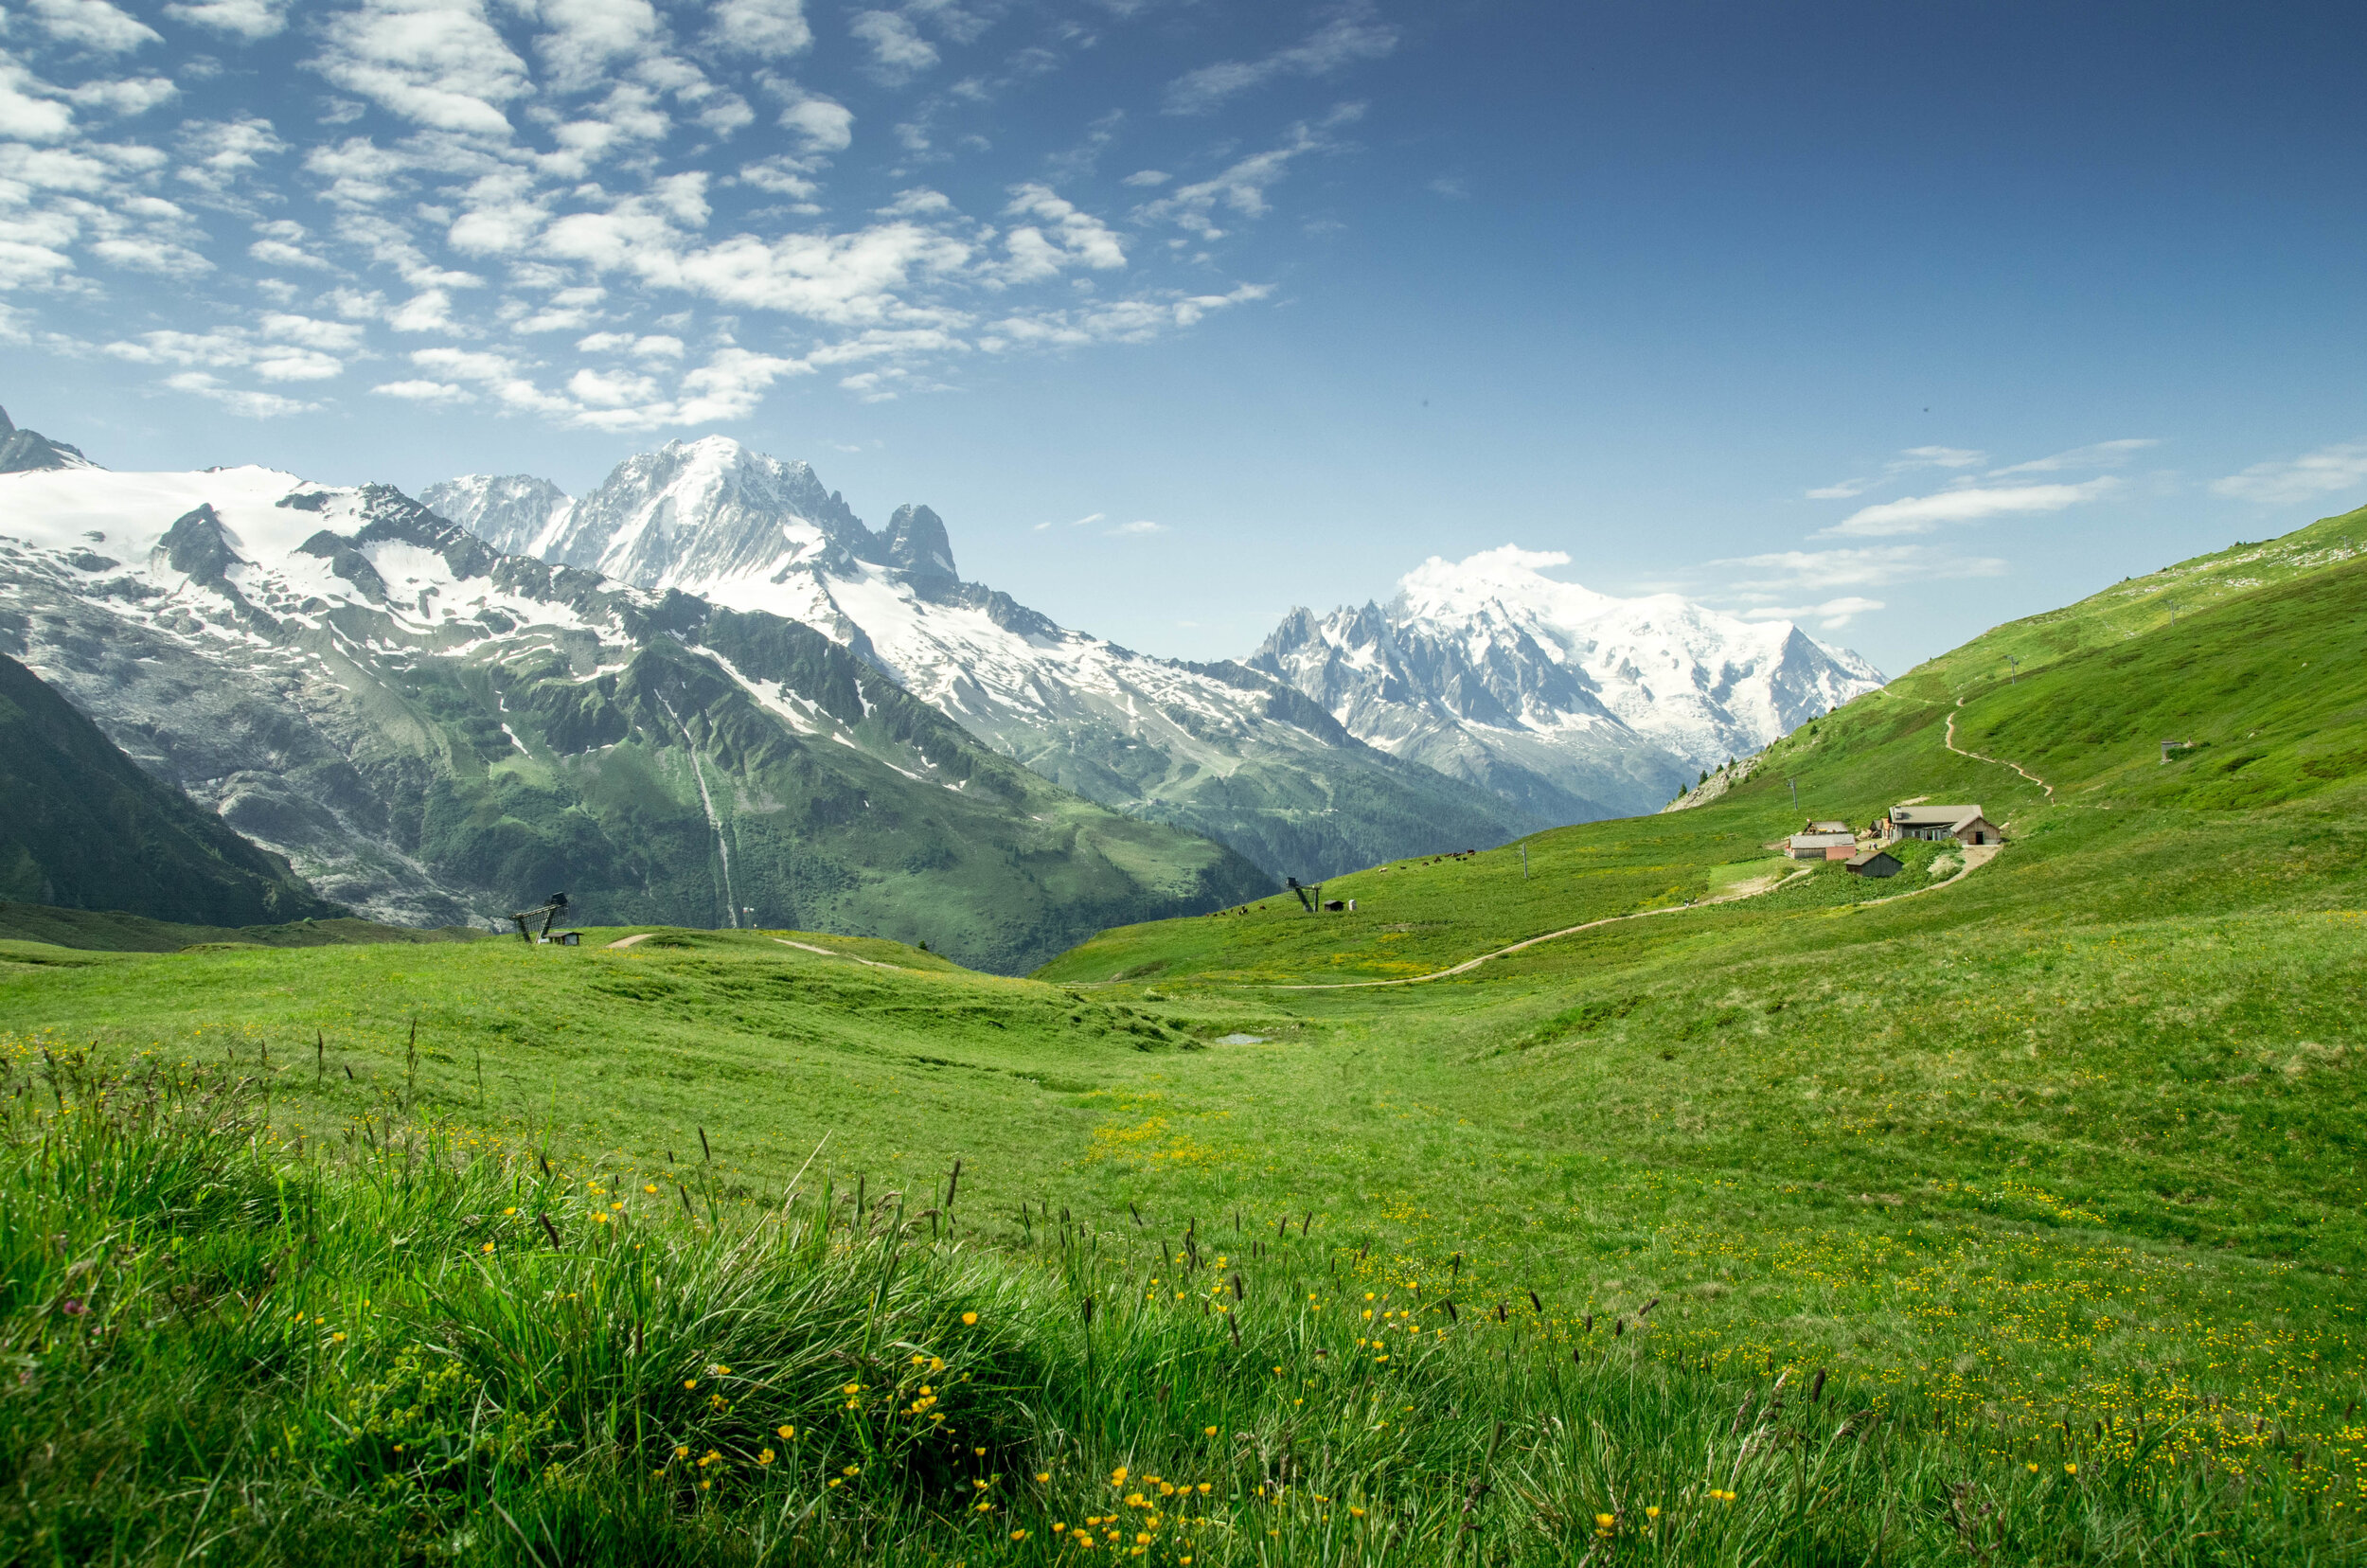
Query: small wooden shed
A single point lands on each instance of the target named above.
(1822, 845)
(1875, 862)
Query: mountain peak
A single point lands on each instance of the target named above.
(914, 540)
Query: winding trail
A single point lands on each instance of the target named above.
(1470, 964)
(2000, 761)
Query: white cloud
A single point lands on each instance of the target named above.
(425, 392)
(584, 36)
(1089, 519)
(771, 29)
(330, 337)
(231, 350)
(436, 62)
(2101, 454)
(1076, 237)
(611, 389)
(359, 171)
(821, 124)
(1347, 39)
(1784, 574)
(251, 19)
(897, 50)
(2298, 481)
(216, 153)
(1243, 187)
(429, 310)
(132, 96)
(1148, 177)
(1924, 514)
(151, 254)
(1832, 615)
(1137, 320)
(252, 405)
(1938, 456)
(782, 177)
(1140, 526)
(29, 110)
(1909, 461)
(92, 24)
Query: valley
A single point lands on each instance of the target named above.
(2045, 1181)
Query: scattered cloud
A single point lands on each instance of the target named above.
(425, 392)
(1782, 575)
(1350, 37)
(249, 20)
(1924, 513)
(92, 24)
(1831, 615)
(525, 205)
(1089, 519)
(770, 29)
(1241, 187)
(1136, 529)
(1938, 456)
(898, 52)
(246, 404)
(2102, 454)
(2298, 481)
(438, 63)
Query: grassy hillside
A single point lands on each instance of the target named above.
(109, 930)
(2053, 1169)
(87, 829)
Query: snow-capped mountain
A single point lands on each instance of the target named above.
(1571, 702)
(1226, 751)
(432, 731)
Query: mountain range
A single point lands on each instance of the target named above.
(706, 694)
(1485, 702)
(432, 732)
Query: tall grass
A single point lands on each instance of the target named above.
(219, 1344)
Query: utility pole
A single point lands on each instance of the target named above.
(2015, 678)
(1795, 793)
(1525, 862)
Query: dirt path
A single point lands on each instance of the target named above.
(627, 941)
(1470, 964)
(1998, 760)
(830, 952)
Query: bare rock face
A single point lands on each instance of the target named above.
(28, 451)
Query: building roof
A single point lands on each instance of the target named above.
(1869, 857)
(1821, 841)
(1934, 817)
(1829, 827)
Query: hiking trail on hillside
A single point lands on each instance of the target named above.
(1951, 743)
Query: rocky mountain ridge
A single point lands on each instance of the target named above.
(1485, 702)
(1568, 701)
(1222, 749)
(432, 731)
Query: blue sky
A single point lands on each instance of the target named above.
(1898, 319)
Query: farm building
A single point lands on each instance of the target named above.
(1875, 862)
(1827, 828)
(1965, 824)
(1839, 845)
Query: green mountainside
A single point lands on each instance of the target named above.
(2002, 1214)
(87, 829)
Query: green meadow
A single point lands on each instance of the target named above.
(1768, 1214)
